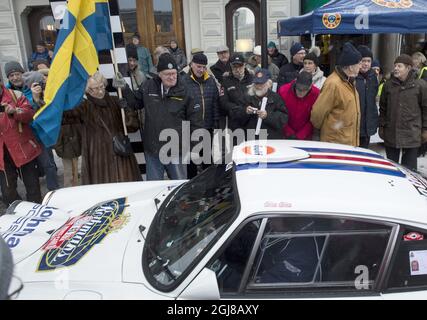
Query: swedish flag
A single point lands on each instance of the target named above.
(85, 30)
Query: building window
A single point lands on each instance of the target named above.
(48, 31)
(163, 15)
(243, 29)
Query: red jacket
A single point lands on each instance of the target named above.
(22, 146)
(299, 111)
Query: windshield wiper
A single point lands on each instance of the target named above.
(164, 264)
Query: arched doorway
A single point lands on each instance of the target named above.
(243, 21)
(42, 26)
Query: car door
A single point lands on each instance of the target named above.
(304, 256)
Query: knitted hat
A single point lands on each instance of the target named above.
(13, 66)
(166, 62)
(375, 64)
(365, 52)
(312, 57)
(296, 47)
(304, 80)
(132, 51)
(349, 55)
(200, 58)
(404, 58)
(32, 77)
(271, 44)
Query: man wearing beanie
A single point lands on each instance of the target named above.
(367, 87)
(337, 110)
(311, 65)
(134, 72)
(279, 59)
(202, 87)
(19, 148)
(144, 56)
(299, 97)
(290, 71)
(403, 113)
(14, 72)
(167, 105)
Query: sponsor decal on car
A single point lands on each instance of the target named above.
(79, 235)
(27, 224)
(413, 236)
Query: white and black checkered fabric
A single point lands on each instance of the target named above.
(106, 66)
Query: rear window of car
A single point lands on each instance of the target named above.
(409, 265)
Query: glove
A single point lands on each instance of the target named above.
(123, 104)
(424, 136)
(119, 82)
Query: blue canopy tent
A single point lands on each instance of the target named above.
(359, 17)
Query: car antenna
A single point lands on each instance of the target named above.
(156, 202)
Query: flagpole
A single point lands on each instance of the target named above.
(116, 70)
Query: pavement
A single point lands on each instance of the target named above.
(378, 147)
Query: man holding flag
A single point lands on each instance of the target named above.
(85, 30)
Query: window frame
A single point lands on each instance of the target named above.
(264, 216)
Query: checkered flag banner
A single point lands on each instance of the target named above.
(106, 66)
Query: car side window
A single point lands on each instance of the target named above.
(230, 265)
(312, 254)
(409, 266)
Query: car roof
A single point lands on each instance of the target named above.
(307, 176)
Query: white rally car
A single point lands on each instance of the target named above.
(286, 219)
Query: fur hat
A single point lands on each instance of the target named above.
(404, 58)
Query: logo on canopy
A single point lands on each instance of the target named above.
(331, 20)
(396, 4)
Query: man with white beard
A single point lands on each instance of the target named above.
(275, 115)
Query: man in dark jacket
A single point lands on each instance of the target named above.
(222, 67)
(290, 71)
(279, 59)
(234, 96)
(403, 113)
(204, 90)
(367, 87)
(275, 115)
(167, 105)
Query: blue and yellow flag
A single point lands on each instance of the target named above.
(85, 30)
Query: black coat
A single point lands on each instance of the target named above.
(164, 112)
(288, 73)
(279, 59)
(205, 94)
(219, 68)
(403, 112)
(367, 87)
(277, 115)
(234, 99)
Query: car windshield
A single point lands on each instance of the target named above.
(187, 224)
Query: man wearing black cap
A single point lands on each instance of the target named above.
(234, 96)
(275, 115)
(367, 87)
(337, 110)
(290, 71)
(167, 105)
(311, 65)
(202, 87)
(403, 113)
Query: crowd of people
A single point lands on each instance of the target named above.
(348, 107)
